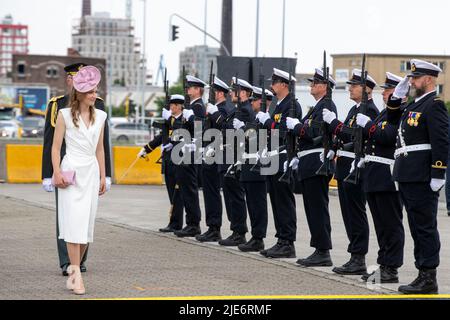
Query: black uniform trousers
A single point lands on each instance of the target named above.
(421, 204)
(62, 247)
(186, 176)
(175, 197)
(283, 207)
(234, 198)
(211, 195)
(353, 207)
(315, 201)
(386, 209)
(256, 197)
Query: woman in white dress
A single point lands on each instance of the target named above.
(81, 125)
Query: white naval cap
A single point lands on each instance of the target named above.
(391, 81)
(257, 93)
(242, 83)
(423, 68)
(281, 75)
(194, 82)
(356, 79)
(318, 76)
(176, 98)
(220, 85)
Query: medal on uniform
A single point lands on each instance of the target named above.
(413, 118)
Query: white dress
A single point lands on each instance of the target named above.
(77, 204)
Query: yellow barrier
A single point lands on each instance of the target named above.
(143, 172)
(23, 163)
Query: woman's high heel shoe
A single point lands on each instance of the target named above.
(78, 287)
(71, 279)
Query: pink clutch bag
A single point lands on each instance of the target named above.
(69, 177)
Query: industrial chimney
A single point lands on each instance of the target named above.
(227, 26)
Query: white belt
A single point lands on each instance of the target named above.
(369, 158)
(415, 147)
(347, 154)
(302, 154)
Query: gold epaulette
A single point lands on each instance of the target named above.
(437, 99)
(100, 98)
(439, 165)
(54, 110)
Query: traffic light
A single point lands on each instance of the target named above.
(174, 32)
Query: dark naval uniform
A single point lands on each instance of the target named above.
(55, 104)
(382, 195)
(424, 123)
(281, 195)
(314, 187)
(351, 197)
(255, 187)
(188, 178)
(169, 170)
(233, 191)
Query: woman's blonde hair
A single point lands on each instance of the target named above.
(74, 104)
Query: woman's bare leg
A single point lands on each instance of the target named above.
(83, 248)
(73, 249)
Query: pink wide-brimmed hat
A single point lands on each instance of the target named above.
(86, 79)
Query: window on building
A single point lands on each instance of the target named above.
(440, 89)
(21, 69)
(52, 72)
(405, 66)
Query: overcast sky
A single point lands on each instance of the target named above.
(344, 26)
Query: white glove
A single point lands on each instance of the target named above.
(352, 166)
(362, 119)
(142, 153)
(328, 116)
(330, 155)
(237, 124)
(166, 114)
(361, 163)
(401, 89)
(108, 183)
(210, 108)
(285, 166)
(291, 123)
(166, 147)
(47, 185)
(294, 163)
(437, 184)
(190, 147)
(263, 117)
(210, 152)
(187, 113)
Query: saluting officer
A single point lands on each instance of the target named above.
(216, 113)
(55, 104)
(420, 163)
(381, 192)
(233, 191)
(174, 120)
(253, 182)
(188, 173)
(281, 196)
(314, 187)
(351, 196)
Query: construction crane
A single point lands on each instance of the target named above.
(161, 68)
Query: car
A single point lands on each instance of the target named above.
(33, 127)
(9, 129)
(130, 133)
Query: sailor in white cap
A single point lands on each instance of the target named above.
(257, 99)
(351, 196)
(173, 119)
(314, 186)
(420, 165)
(381, 192)
(281, 194)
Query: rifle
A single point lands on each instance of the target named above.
(164, 126)
(325, 168)
(358, 137)
(233, 169)
(290, 141)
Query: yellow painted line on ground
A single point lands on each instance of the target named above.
(296, 297)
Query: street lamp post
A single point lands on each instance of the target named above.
(144, 69)
(284, 27)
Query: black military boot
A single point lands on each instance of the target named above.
(169, 228)
(425, 283)
(212, 235)
(320, 258)
(253, 245)
(383, 274)
(234, 240)
(264, 252)
(188, 231)
(283, 249)
(356, 265)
